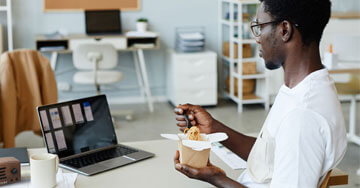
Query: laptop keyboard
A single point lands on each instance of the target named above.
(98, 157)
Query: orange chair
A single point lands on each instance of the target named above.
(26, 81)
(335, 177)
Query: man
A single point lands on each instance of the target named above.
(303, 136)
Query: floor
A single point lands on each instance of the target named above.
(162, 121)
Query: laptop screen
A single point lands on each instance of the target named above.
(103, 21)
(77, 126)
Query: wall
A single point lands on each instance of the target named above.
(163, 15)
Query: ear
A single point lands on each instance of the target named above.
(286, 30)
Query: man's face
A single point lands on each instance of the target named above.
(271, 49)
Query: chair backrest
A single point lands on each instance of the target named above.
(326, 180)
(81, 59)
(26, 81)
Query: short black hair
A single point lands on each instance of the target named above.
(311, 16)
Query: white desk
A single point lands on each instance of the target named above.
(157, 172)
(120, 42)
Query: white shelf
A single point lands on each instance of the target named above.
(258, 100)
(249, 76)
(244, 60)
(252, 59)
(234, 26)
(234, 23)
(227, 22)
(245, 2)
(244, 41)
(253, 101)
(254, 76)
(3, 8)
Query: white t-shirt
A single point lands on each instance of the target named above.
(307, 125)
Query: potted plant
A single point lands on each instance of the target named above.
(141, 25)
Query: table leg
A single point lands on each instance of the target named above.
(53, 60)
(138, 74)
(146, 80)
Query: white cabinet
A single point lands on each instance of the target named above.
(192, 78)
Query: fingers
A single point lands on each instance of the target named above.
(188, 107)
(187, 170)
(180, 118)
(181, 123)
(182, 129)
(178, 110)
(176, 158)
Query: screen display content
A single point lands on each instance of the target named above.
(77, 126)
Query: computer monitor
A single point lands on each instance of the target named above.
(100, 22)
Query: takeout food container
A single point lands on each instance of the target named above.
(195, 153)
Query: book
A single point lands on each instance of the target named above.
(20, 154)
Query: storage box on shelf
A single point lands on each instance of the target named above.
(248, 85)
(192, 78)
(242, 69)
(247, 53)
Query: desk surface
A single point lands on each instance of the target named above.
(158, 171)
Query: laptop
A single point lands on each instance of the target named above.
(102, 22)
(81, 133)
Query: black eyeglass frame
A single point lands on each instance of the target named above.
(261, 24)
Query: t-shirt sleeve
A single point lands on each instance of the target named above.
(299, 151)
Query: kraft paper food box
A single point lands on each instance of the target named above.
(195, 153)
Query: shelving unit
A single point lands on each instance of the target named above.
(232, 30)
(7, 8)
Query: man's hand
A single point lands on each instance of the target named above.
(208, 173)
(197, 116)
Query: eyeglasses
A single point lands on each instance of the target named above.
(256, 27)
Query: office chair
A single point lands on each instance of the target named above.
(95, 62)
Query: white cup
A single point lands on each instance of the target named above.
(43, 169)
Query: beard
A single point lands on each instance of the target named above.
(272, 65)
(277, 58)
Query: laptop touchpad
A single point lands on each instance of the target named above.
(116, 162)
